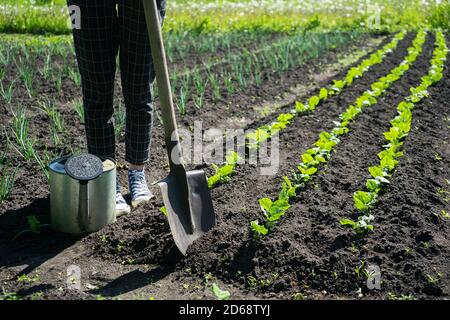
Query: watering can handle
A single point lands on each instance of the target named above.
(83, 206)
(162, 78)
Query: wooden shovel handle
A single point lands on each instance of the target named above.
(162, 75)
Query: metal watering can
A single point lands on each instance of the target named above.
(82, 194)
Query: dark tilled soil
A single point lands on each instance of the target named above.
(308, 252)
(309, 249)
(235, 110)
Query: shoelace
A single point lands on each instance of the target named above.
(119, 197)
(138, 183)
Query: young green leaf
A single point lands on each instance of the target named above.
(363, 200)
(258, 229)
(300, 107)
(34, 224)
(309, 171)
(220, 294)
(313, 102)
(323, 94)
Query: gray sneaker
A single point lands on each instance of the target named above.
(122, 207)
(138, 187)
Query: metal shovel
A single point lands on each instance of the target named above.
(186, 194)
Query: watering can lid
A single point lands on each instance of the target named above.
(84, 167)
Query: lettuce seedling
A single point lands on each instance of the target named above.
(283, 121)
(300, 107)
(285, 117)
(220, 294)
(258, 229)
(288, 189)
(379, 174)
(361, 226)
(350, 113)
(338, 85)
(352, 74)
(163, 211)
(273, 210)
(364, 200)
(223, 174)
(258, 136)
(313, 102)
(323, 94)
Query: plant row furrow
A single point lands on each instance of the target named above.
(263, 133)
(322, 149)
(367, 198)
(237, 72)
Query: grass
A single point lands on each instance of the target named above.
(206, 16)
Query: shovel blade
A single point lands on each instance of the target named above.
(189, 206)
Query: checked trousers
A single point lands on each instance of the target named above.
(111, 29)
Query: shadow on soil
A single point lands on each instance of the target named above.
(24, 250)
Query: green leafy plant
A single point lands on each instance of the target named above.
(361, 226)
(364, 200)
(77, 105)
(6, 183)
(29, 279)
(34, 225)
(257, 137)
(274, 210)
(218, 293)
(20, 127)
(223, 173)
(323, 147)
(399, 130)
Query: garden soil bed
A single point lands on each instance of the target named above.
(308, 254)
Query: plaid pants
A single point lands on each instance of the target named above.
(110, 28)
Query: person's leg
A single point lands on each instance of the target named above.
(96, 47)
(137, 76)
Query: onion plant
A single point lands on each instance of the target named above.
(47, 68)
(7, 92)
(77, 105)
(7, 179)
(27, 76)
(20, 127)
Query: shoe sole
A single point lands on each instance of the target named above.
(123, 212)
(137, 202)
